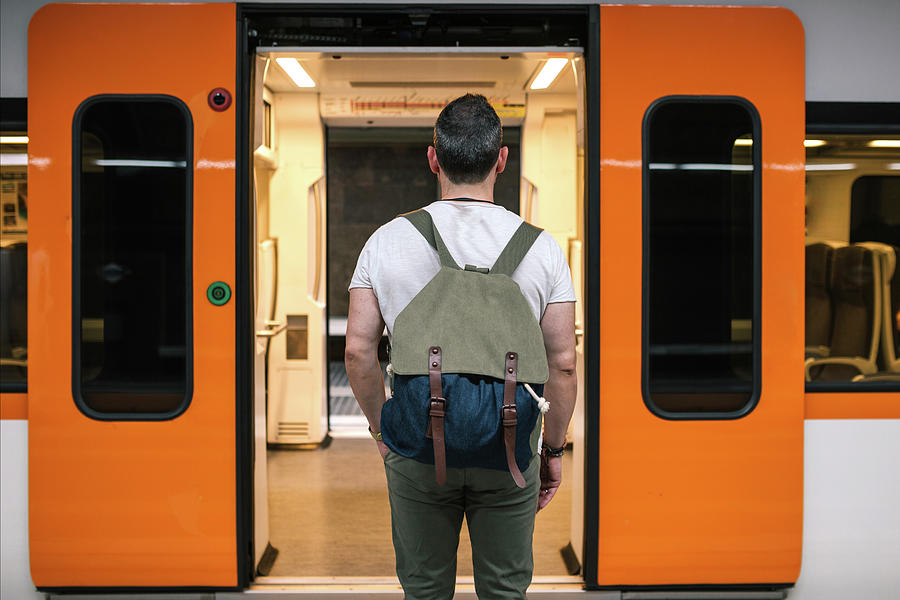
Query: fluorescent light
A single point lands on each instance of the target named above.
(893, 166)
(813, 143)
(831, 167)
(14, 160)
(698, 167)
(884, 144)
(548, 73)
(743, 142)
(102, 162)
(714, 167)
(296, 72)
(13, 139)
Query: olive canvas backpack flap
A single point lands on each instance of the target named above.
(461, 351)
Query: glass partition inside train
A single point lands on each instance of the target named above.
(339, 149)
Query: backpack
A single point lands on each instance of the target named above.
(461, 352)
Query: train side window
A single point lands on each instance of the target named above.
(875, 208)
(852, 248)
(701, 346)
(132, 213)
(13, 252)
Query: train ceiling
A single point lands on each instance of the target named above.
(492, 75)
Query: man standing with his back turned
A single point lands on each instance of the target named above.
(394, 267)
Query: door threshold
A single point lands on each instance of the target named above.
(392, 581)
(388, 588)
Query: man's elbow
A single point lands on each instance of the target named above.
(354, 354)
(563, 363)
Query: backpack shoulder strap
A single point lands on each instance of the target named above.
(519, 245)
(422, 221)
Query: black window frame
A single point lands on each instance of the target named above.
(76, 259)
(865, 118)
(756, 329)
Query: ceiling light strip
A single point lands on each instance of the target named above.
(294, 70)
(830, 166)
(884, 144)
(548, 73)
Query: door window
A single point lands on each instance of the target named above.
(132, 257)
(701, 257)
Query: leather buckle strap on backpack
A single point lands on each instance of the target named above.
(509, 417)
(436, 412)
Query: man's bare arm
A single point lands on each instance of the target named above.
(558, 327)
(364, 329)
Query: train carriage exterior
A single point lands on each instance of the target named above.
(186, 189)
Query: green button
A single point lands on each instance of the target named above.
(218, 293)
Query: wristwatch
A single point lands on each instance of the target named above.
(375, 436)
(554, 452)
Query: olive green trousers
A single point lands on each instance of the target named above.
(426, 519)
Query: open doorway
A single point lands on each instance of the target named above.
(375, 174)
(332, 162)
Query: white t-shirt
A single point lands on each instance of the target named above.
(397, 262)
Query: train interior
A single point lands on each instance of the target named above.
(339, 149)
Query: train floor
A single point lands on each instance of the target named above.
(329, 515)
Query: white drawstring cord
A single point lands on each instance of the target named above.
(543, 405)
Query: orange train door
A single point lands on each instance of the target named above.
(700, 354)
(132, 385)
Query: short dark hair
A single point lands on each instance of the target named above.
(467, 139)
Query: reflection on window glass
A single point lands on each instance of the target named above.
(700, 291)
(13, 252)
(852, 247)
(132, 255)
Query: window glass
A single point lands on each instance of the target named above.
(132, 209)
(267, 124)
(701, 289)
(852, 247)
(377, 173)
(13, 252)
(875, 209)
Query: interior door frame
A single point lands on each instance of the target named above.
(590, 553)
(245, 224)
(244, 278)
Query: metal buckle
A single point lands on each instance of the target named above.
(438, 407)
(509, 420)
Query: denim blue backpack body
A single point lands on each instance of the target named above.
(462, 351)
